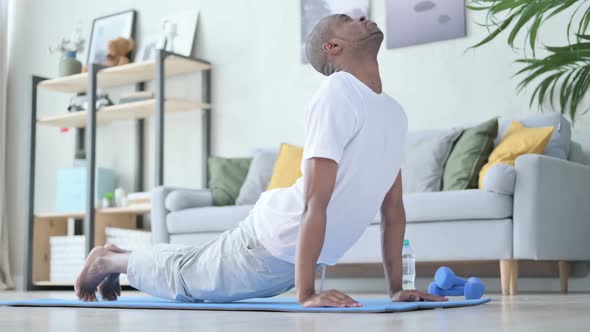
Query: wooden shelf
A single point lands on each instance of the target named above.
(120, 112)
(131, 209)
(137, 209)
(60, 215)
(125, 74)
(46, 225)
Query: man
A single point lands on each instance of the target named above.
(354, 147)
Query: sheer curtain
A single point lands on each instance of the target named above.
(5, 276)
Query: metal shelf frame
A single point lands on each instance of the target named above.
(90, 132)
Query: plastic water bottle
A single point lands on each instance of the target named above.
(408, 266)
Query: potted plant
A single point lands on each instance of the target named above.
(560, 74)
(69, 47)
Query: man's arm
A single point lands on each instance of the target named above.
(393, 230)
(320, 179)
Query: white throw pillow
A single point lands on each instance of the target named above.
(258, 176)
(500, 179)
(426, 154)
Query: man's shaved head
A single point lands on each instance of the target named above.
(339, 41)
(313, 48)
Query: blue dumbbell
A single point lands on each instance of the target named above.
(474, 288)
(445, 278)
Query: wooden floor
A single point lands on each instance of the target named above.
(544, 312)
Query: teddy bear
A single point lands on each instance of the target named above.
(118, 49)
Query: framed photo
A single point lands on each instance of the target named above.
(413, 22)
(146, 50)
(180, 30)
(107, 28)
(312, 11)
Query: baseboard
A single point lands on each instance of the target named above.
(481, 269)
(525, 285)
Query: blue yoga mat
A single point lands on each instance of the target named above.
(268, 304)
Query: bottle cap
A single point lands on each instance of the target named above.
(406, 243)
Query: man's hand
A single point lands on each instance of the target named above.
(415, 296)
(330, 298)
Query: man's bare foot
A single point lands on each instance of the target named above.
(96, 268)
(109, 289)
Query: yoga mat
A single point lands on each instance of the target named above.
(268, 304)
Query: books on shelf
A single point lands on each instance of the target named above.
(67, 257)
(129, 239)
(67, 254)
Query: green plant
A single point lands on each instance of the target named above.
(563, 74)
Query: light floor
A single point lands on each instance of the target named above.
(546, 312)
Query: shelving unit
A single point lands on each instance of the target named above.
(41, 226)
(127, 74)
(121, 112)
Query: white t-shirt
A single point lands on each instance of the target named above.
(364, 132)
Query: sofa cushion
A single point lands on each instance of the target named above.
(226, 176)
(559, 144)
(470, 153)
(207, 219)
(471, 204)
(426, 154)
(258, 177)
(287, 168)
(517, 141)
(500, 179)
(455, 240)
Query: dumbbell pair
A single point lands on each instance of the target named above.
(446, 283)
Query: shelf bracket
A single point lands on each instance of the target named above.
(159, 117)
(28, 275)
(89, 217)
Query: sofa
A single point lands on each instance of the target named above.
(545, 217)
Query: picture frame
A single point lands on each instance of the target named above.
(147, 47)
(180, 31)
(424, 21)
(105, 28)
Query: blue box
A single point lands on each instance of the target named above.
(70, 194)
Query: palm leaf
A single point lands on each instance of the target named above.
(568, 66)
(530, 12)
(561, 78)
(496, 32)
(526, 10)
(584, 22)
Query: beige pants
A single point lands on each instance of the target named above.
(233, 267)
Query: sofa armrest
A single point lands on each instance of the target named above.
(168, 199)
(551, 209)
(182, 199)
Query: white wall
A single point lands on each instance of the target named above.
(259, 88)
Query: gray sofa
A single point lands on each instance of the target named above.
(546, 218)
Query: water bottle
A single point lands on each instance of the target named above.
(408, 266)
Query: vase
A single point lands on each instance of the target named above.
(69, 65)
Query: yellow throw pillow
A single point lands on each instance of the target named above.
(287, 167)
(517, 141)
